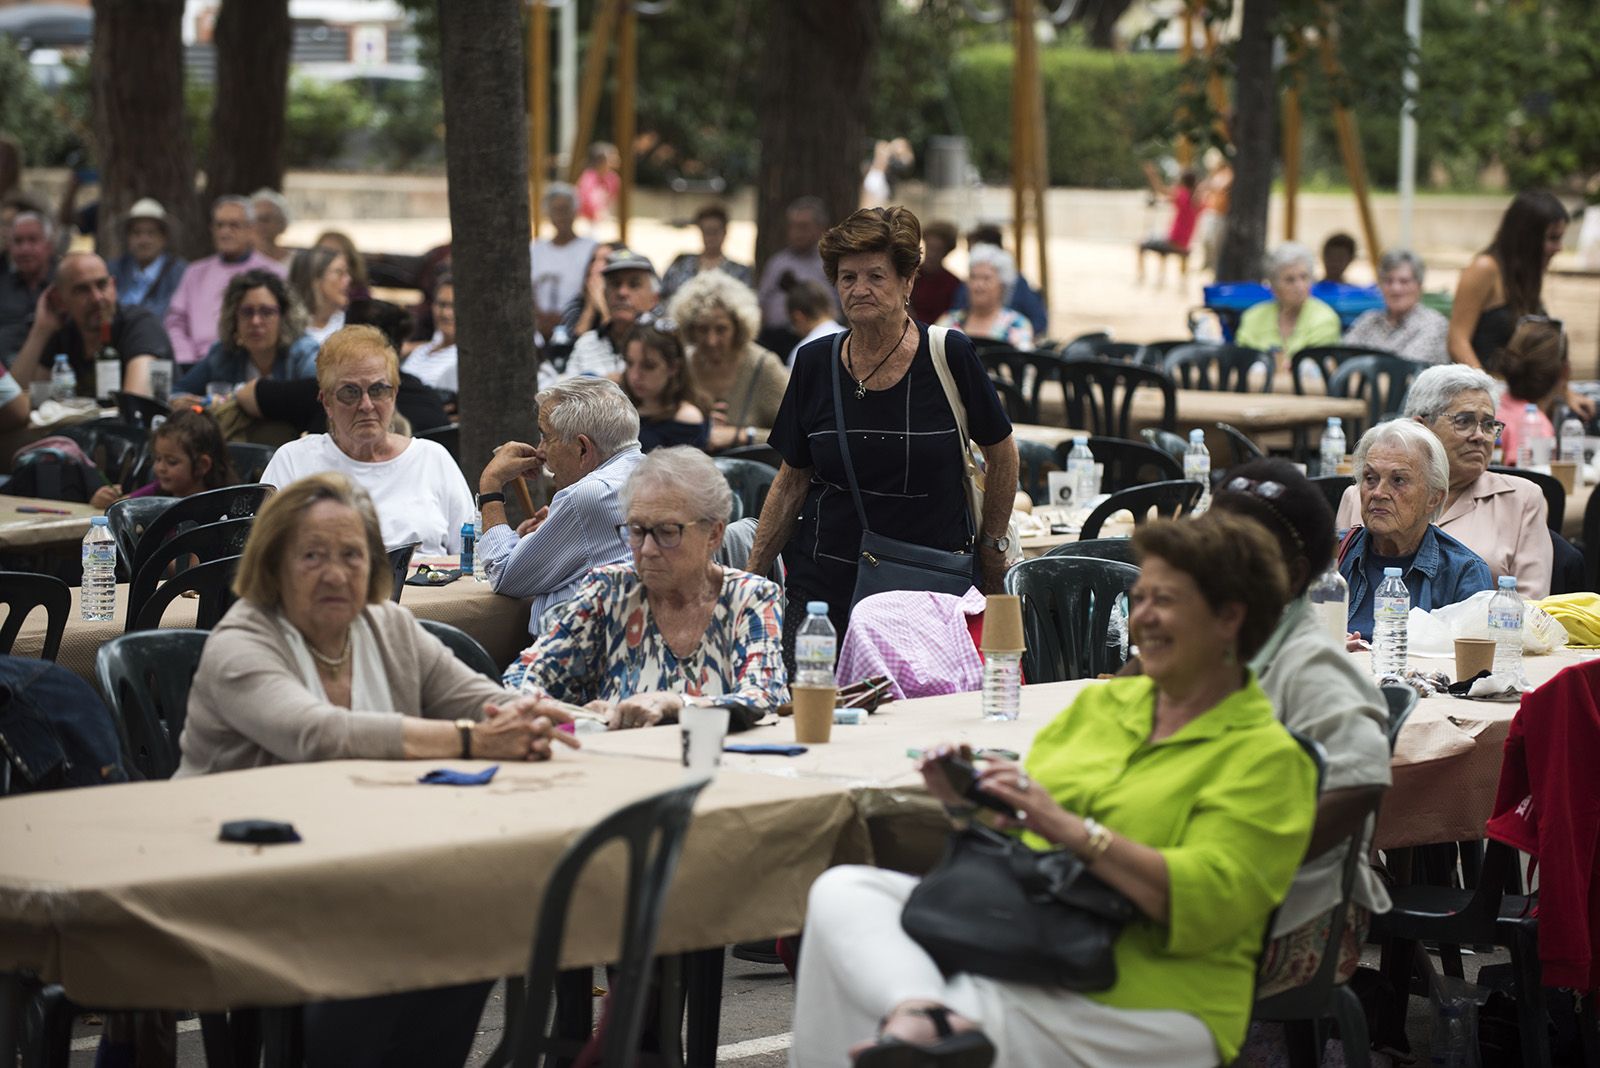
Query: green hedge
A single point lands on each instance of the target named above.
(1105, 111)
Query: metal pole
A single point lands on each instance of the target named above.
(1021, 137)
(567, 77)
(1408, 125)
(626, 117)
(538, 108)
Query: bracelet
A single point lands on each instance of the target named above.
(464, 728)
(490, 498)
(1099, 840)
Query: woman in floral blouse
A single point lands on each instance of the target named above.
(639, 641)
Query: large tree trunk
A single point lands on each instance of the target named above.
(1255, 111)
(814, 105)
(486, 158)
(136, 81)
(248, 115)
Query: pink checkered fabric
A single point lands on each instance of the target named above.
(919, 640)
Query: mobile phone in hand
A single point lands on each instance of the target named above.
(963, 778)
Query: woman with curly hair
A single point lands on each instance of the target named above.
(719, 317)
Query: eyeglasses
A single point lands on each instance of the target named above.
(266, 311)
(350, 394)
(667, 535)
(1465, 421)
(1266, 492)
(666, 324)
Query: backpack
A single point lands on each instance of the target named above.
(55, 469)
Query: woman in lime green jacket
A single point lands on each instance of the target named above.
(1293, 319)
(1179, 788)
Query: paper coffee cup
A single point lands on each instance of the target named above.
(1564, 472)
(1002, 624)
(1472, 656)
(813, 713)
(703, 732)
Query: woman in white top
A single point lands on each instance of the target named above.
(419, 492)
(434, 361)
(320, 277)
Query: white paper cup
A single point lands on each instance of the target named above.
(703, 732)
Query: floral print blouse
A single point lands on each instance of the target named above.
(604, 644)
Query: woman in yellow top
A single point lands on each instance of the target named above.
(1293, 319)
(1179, 788)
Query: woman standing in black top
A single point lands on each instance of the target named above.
(903, 437)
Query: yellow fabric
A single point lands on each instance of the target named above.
(1579, 613)
(1228, 801)
(1318, 325)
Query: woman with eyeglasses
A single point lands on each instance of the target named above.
(418, 489)
(640, 640)
(744, 383)
(1499, 517)
(262, 334)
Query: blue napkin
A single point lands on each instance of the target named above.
(446, 777)
(766, 750)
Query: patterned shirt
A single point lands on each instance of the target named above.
(604, 644)
(1010, 326)
(1422, 335)
(921, 641)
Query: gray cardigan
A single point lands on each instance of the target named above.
(248, 707)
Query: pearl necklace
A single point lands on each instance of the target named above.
(332, 661)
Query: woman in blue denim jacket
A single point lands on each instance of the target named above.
(1403, 476)
(261, 333)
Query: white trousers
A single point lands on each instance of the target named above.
(857, 963)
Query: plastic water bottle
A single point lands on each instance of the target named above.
(63, 379)
(1390, 607)
(98, 597)
(1331, 451)
(815, 647)
(1505, 627)
(480, 570)
(1530, 434)
(1572, 445)
(469, 541)
(1330, 604)
(1117, 634)
(1197, 467)
(1080, 468)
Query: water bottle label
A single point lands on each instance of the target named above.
(814, 647)
(1398, 607)
(1505, 619)
(1196, 468)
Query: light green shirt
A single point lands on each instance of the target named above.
(1228, 800)
(1318, 325)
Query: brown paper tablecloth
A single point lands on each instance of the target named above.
(31, 530)
(124, 894)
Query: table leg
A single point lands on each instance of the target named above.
(704, 998)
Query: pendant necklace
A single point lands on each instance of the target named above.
(861, 383)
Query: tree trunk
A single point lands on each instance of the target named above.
(814, 105)
(486, 159)
(248, 115)
(1255, 111)
(136, 85)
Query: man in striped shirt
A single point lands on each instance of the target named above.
(589, 443)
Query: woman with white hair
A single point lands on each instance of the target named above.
(1403, 479)
(1499, 517)
(272, 218)
(639, 641)
(718, 317)
(1404, 325)
(1293, 319)
(990, 274)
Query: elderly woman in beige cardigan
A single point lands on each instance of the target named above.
(315, 663)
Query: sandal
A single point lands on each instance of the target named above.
(969, 1049)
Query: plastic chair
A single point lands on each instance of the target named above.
(653, 829)
(1381, 381)
(128, 520)
(399, 564)
(761, 454)
(1167, 442)
(1333, 487)
(1566, 566)
(1217, 367)
(1066, 612)
(1127, 463)
(1402, 701)
(1169, 499)
(1241, 446)
(749, 481)
(1154, 353)
(249, 459)
(1118, 549)
(1013, 401)
(212, 580)
(139, 410)
(212, 506)
(1035, 461)
(1099, 395)
(466, 648)
(1106, 349)
(145, 678)
(448, 435)
(1027, 371)
(1326, 359)
(1086, 346)
(116, 449)
(212, 541)
(23, 591)
(1555, 497)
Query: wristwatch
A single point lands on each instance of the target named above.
(464, 727)
(1000, 544)
(490, 498)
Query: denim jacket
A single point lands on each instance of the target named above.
(1443, 571)
(54, 729)
(231, 364)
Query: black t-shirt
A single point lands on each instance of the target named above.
(908, 460)
(295, 402)
(135, 331)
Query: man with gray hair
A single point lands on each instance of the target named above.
(31, 267)
(589, 443)
(1404, 326)
(560, 261)
(191, 318)
(633, 289)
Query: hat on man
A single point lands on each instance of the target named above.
(622, 258)
(147, 208)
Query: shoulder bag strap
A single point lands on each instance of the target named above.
(844, 438)
(952, 396)
(1344, 544)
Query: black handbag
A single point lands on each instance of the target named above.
(886, 563)
(994, 907)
